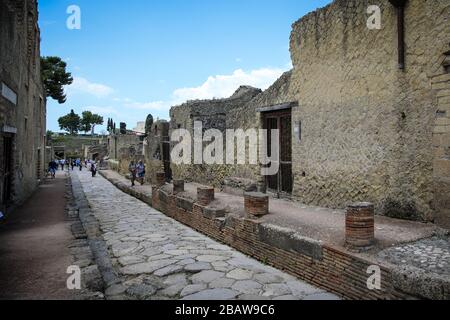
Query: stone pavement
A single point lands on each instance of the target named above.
(156, 257)
(431, 255)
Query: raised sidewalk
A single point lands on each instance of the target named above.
(308, 242)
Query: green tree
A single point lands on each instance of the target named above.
(55, 77)
(70, 122)
(90, 120)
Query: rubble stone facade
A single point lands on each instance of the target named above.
(357, 128)
(367, 125)
(214, 114)
(22, 102)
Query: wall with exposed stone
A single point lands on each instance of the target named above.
(153, 149)
(247, 117)
(123, 148)
(214, 114)
(367, 125)
(25, 120)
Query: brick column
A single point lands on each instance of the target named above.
(160, 179)
(256, 204)
(178, 186)
(360, 225)
(205, 195)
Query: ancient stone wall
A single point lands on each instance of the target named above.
(214, 114)
(367, 125)
(153, 149)
(22, 98)
(247, 117)
(124, 148)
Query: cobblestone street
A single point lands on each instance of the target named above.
(156, 257)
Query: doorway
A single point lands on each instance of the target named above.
(280, 183)
(166, 160)
(8, 170)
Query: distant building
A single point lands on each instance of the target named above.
(140, 127)
(22, 102)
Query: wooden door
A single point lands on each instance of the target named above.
(281, 120)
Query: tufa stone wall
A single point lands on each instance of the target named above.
(367, 125)
(214, 114)
(122, 149)
(23, 119)
(153, 149)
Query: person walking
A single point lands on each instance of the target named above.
(62, 162)
(132, 168)
(93, 169)
(140, 171)
(52, 167)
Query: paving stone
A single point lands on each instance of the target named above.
(240, 274)
(222, 283)
(284, 298)
(168, 270)
(213, 294)
(276, 289)
(115, 289)
(210, 258)
(176, 279)
(141, 291)
(191, 289)
(247, 287)
(160, 257)
(206, 276)
(198, 266)
(147, 267)
(266, 278)
(129, 260)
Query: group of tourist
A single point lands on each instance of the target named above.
(54, 165)
(137, 172)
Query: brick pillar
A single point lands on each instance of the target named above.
(178, 186)
(205, 196)
(160, 179)
(256, 204)
(360, 225)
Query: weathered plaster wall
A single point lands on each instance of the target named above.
(367, 126)
(153, 149)
(124, 148)
(214, 114)
(20, 71)
(246, 117)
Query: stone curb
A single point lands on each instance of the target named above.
(96, 242)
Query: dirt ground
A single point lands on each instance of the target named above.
(34, 253)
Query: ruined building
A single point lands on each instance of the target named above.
(363, 116)
(22, 102)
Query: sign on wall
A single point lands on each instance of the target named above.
(9, 94)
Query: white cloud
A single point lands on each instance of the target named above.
(82, 85)
(101, 110)
(154, 105)
(222, 86)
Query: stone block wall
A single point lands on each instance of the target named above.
(367, 125)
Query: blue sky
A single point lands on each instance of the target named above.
(132, 58)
